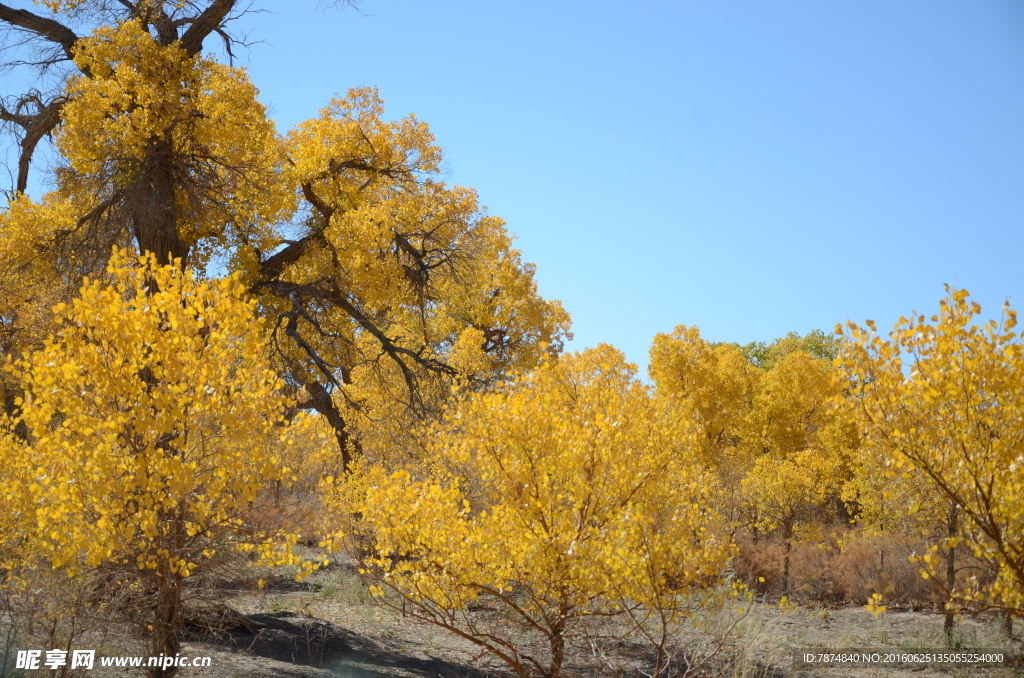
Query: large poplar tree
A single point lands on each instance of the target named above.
(382, 286)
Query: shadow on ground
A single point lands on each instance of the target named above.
(330, 650)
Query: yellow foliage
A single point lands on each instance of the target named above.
(405, 248)
(571, 487)
(31, 281)
(142, 413)
(791, 411)
(943, 398)
(406, 283)
(762, 419)
(875, 606)
(798, 443)
(771, 434)
(391, 291)
(712, 386)
(223, 151)
(893, 499)
(785, 491)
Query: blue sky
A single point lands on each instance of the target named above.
(751, 168)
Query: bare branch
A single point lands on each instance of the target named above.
(53, 31)
(209, 21)
(35, 125)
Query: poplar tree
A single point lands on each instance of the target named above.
(373, 274)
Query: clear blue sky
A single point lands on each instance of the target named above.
(751, 168)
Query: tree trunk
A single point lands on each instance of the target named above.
(787, 538)
(164, 635)
(557, 643)
(322, 402)
(950, 620)
(152, 206)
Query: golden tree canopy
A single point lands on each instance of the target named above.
(943, 396)
(383, 288)
(570, 487)
(144, 415)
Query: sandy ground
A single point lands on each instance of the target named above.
(329, 626)
(771, 636)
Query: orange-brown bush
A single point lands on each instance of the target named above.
(845, 566)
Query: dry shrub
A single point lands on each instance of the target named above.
(815, 575)
(844, 566)
(759, 564)
(880, 563)
(294, 504)
(812, 569)
(42, 608)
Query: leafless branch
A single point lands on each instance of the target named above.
(34, 126)
(46, 28)
(207, 22)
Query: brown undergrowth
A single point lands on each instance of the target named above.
(845, 566)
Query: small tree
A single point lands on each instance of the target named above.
(944, 398)
(566, 496)
(901, 500)
(142, 414)
(791, 492)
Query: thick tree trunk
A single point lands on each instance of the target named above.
(152, 206)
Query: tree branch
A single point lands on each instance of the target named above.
(322, 207)
(286, 290)
(209, 21)
(53, 31)
(274, 265)
(36, 126)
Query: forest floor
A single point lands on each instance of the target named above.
(329, 626)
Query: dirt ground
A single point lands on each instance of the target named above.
(329, 626)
